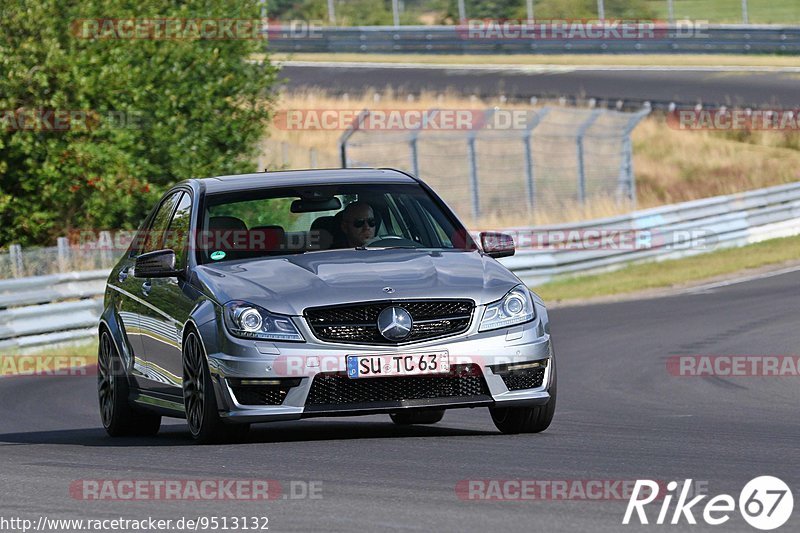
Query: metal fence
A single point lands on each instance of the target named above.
(279, 155)
(666, 232)
(66, 256)
(672, 39)
(42, 310)
(506, 164)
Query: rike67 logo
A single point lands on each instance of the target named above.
(765, 503)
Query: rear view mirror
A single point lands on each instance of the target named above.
(312, 205)
(158, 264)
(497, 244)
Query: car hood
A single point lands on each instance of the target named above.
(289, 284)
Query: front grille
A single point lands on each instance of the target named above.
(357, 323)
(261, 392)
(523, 376)
(336, 390)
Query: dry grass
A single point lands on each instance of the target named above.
(670, 165)
(674, 166)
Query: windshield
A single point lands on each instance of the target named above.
(326, 217)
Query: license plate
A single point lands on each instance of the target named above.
(377, 366)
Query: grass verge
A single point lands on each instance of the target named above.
(672, 273)
(559, 60)
(730, 11)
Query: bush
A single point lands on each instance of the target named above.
(160, 111)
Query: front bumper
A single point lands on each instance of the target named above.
(488, 356)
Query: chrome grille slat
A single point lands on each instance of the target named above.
(357, 323)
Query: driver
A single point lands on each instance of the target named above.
(358, 223)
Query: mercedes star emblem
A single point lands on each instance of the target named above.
(394, 323)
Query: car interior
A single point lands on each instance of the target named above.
(231, 235)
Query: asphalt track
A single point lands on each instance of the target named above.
(620, 416)
(688, 87)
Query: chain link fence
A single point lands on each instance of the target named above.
(509, 164)
(67, 256)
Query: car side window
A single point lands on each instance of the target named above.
(177, 237)
(154, 239)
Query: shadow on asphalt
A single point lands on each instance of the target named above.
(178, 435)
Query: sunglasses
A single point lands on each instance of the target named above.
(359, 222)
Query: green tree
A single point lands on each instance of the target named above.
(161, 111)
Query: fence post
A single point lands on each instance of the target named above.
(473, 177)
(412, 141)
(107, 252)
(15, 254)
(396, 13)
(581, 163)
(412, 144)
(627, 183)
(62, 244)
(473, 162)
(349, 133)
(284, 154)
(331, 13)
(529, 170)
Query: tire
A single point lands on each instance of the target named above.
(200, 402)
(428, 416)
(513, 420)
(118, 417)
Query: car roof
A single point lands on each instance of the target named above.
(290, 178)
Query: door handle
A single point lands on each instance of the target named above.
(146, 286)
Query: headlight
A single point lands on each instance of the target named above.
(253, 322)
(516, 307)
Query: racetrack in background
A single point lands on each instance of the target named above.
(683, 86)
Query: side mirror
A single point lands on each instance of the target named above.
(158, 264)
(497, 244)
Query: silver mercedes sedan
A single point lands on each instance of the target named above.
(286, 295)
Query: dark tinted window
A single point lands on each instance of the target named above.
(154, 238)
(264, 222)
(177, 237)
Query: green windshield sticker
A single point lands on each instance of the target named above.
(218, 255)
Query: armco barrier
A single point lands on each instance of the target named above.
(716, 39)
(44, 310)
(723, 221)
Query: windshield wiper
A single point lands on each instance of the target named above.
(388, 247)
